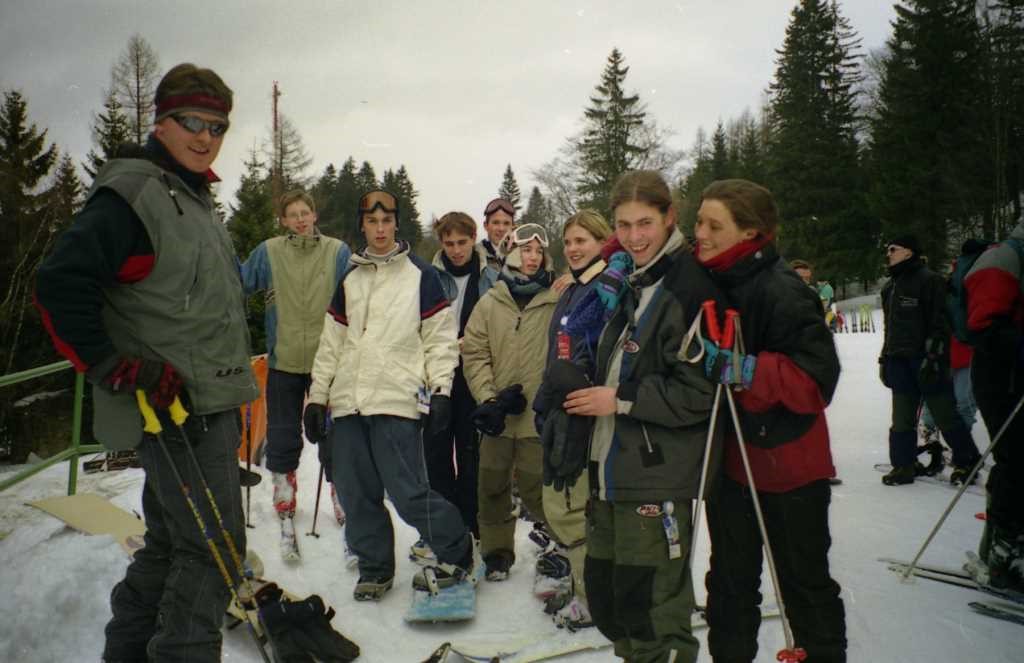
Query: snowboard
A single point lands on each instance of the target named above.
(540, 646)
(451, 604)
(93, 514)
(977, 488)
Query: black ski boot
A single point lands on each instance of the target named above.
(899, 476)
(960, 473)
(936, 463)
(498, 563)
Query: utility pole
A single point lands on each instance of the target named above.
(275, 170)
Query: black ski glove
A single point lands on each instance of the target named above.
(511, 399)
(314, 419)
(565, 442)
(440, 416)
(301, 630)
(489, 418)
(933, 368)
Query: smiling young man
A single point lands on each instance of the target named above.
(142, 292)
(386, 360)
(298, 271)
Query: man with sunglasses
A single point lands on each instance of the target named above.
(385, 363)
(914, 363)
(142, 293)
(499, 219)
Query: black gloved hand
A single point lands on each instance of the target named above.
(933, 368)
(158, 379)
(440, 416)
(565, 442)
(489, 418)
(314, 420)
(881, 373)
(511, 399)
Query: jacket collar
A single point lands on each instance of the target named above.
(361, 259)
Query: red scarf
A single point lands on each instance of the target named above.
(723, 261)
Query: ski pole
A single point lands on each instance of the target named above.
(963, 488)
(792, 653)
(248, 464)
(715, 335)
(178, 416)
(316, 507)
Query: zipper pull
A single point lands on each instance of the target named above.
(519, 320)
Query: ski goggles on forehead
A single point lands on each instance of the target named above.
(528, 232)
(499, 204)
(378, 199)
(195, 125)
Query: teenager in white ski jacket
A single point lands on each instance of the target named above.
(387, 356)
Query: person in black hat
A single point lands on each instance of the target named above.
(914, 362)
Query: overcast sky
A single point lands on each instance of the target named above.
(454, 90)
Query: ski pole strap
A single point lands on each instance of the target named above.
(691, 334)
(671, 526)
(152, 423)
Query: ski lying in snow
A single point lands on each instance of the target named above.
(289, 542)
(539, 647)
(953, 577)
(1005, 613)
(939, 480)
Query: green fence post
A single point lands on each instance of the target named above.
(76, 432)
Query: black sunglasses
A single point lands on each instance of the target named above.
(195, 125)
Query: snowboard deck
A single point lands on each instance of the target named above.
(92, 514)
(977, 488)
(540, 646)
(451, 604)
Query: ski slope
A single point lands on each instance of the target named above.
(55, 582)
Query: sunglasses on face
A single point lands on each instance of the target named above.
(375, 199)
(892, 249)
(499, 204)
(195, 125)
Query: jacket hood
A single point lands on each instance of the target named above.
(360, 258)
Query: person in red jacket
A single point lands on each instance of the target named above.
(995, 318)
(789, 371)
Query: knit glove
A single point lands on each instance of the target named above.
(158, 379)
(314, 421)
(728, 367)
(610, 282)
(511, 399)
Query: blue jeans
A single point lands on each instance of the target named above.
(963, 394)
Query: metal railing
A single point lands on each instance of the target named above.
(73, 452)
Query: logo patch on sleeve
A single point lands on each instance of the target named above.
(650, 510)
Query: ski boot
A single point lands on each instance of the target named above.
(899, 476)
(285, 487)
(441, 575)
(573, 616)
(1006, 560)
(935, 464)
(960, 473)
(498, 563)
(372, 588)
(339, 512)
(553, 575)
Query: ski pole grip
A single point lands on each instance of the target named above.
(152, 424)
(178, 412)
(729, 335)
(711, 320)
(794, 655)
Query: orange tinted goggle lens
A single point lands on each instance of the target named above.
(375, 199)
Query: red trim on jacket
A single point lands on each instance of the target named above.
(434, 309)
(779, 381)
(991, 293)
(136, 268)
(63, 348)
(959, 354)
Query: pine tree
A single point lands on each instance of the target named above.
(288, 160)
(719, 154)
(133, 81)
(931, 167)
(1005, 41)
(253, 218)
(611, 142)
(409, 229)
(110, 130)
(343, 221)
(814, 167)
(509, 189)
(25, 161)
(698, 177)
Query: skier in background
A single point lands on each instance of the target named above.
(499, 219)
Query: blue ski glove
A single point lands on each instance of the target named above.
(720, 366)
(609, 284)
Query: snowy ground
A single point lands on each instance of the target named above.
(55, 582)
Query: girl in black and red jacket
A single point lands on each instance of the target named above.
(790, 373)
